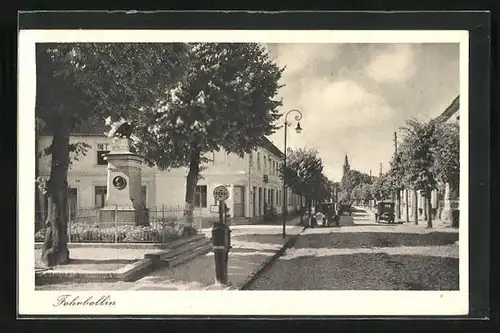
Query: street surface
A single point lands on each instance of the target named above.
(367, 256)
(252, 246)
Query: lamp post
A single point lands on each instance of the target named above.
(298, 129)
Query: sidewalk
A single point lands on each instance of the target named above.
(253, 247)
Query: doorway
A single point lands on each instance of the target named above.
(260, 201)
(239, 201)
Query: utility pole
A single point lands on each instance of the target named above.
(396, 143)
(380, 172)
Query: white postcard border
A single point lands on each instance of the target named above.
(364, 303)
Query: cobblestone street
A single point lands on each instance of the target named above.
(367, 256)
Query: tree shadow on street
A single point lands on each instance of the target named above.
(376, 271)
(375, 239)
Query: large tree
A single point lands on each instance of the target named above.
(418, 160)
(447, 157)
(76, 82)
(226, 100)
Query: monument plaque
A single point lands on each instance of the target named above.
(124, 202)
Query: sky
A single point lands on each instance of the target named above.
(353, 97)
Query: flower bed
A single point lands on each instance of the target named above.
(81, 232)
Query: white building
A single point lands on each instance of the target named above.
(252, 180)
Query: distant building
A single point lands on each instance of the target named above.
(346, 166)
(252, 180)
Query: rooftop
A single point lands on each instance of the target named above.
(450, 111)
(97, 127)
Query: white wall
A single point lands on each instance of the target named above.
(168, 187)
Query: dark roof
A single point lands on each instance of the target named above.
(271, 147)
(450, 111)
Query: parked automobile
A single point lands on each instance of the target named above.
(345, 208)
(385, 212)
(328, 208)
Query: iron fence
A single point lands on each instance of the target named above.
(95, 225)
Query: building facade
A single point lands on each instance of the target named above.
(252, 180)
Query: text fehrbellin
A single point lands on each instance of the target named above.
(75, 300)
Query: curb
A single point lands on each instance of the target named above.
(267, 262)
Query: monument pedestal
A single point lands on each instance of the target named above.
(124, 201)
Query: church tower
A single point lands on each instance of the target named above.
(346, 166)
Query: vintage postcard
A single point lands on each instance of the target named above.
(243, 172)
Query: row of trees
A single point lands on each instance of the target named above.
(306, 177)
(429, 155)
(183, 99)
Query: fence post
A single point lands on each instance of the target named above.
(116, 223)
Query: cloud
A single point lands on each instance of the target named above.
(345, 104)
(298, 57)
(392, 65)
(354, 96)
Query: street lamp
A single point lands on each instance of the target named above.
(298, 129)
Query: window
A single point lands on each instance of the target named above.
(269, 163)
(102, 149)
(274, 167)
(250, 159)
(100, 196)
(200, 196)
(258, 161)
(265, 164)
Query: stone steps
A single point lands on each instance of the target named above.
(181, 253)
(175, 253)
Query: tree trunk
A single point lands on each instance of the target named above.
(425, 207)
(55, 247)
(454, 197)
(428, 199)
(407, 206)
(398, 200)
(415, 206)
(301, 211)
(191, 182)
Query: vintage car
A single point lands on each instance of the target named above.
(328, 208)
(345, 208)
(385, 212)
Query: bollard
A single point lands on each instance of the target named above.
(220, 244)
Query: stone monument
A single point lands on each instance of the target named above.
(124, 201)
